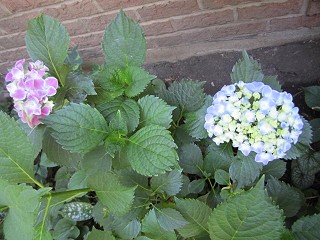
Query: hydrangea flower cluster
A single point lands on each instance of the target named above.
(30, 89)
(255, 118)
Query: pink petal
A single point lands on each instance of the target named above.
(19, 94)
(52, 82)
(19, 64)
(9, 77)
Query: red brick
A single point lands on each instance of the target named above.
(14, 54)
(4, 11)
(269, 10)
(78, 9)
(12, 41)
(214, 4)
(22, 5)
(294, 22)
(91, 56)
(93, 24)
(203, 19)
(109, 5)
(206, 34)
(313, 8)
(18, 23)
(157, 28)
(89, 40)
(167, 9)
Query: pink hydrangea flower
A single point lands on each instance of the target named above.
(30, 89)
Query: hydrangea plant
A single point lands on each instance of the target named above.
(116, 153)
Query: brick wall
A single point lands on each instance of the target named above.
(174, 29)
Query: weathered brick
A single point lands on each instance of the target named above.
(13, 54)
(109, 5)
(313, 8)
(72, 10)
(4, 11)
(157, 28)
(269, 10)
(294, 22)
(214, 4)
(92, 55)
(202, 19)
(94, 23)
(207, 34)
(12, 41)
(167, 9)
(23, 5)
(17, 23)
(88, 40)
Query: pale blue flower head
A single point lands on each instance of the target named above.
(255, 86)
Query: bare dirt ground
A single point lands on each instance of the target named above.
(297, 65)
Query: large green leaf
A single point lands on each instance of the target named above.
(65, 229)
(244, 170)
(22, 202)
(170, 219)
(139, 79)
(55, 153)
(246, 70)
(312, 97)
(288, 198)
(129, 111)
(197, 214)
(101, 235)
(188, 95)
(275, 168)
(48, 40)
(194, 121)
(111, 192)
(218, 157)
(307, 228)
(16, 152)
(190, 159)
(124, 43)
(315, 124)
(170, 183)
(151, 151)
(155, 111)
(151, 228)
(249, 215)
(77, 127)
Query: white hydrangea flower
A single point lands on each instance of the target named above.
(255, 118)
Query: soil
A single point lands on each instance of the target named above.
(297, 65)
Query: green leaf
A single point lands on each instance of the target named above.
(128, 230)
(55, 153)
(246, 70)
(190, 159)
(151, 228)
(196, 186)
(48, 40)
(78, 180)
(315, 124)
(218, 157)
(244, 170)
(312, 97)
(77, 127)
(111, 193)
(170, 219)
(16, 152)
(222, 177)
(101, 235)
(188, 95)
(194, 121)
(286, 197)
(196, 213)
(129, 111)
(124, 43)
(170, 183)
(272, 82)
(77, 211)
(249, 215)
(155, 111)
(78, 86)
(139, 79)
(303, 170)
(41, 234)
(22, 202)
(275, 168)
(65, 229)
(74, 59)
(307, 228)
(35, 136)
(151, 151)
